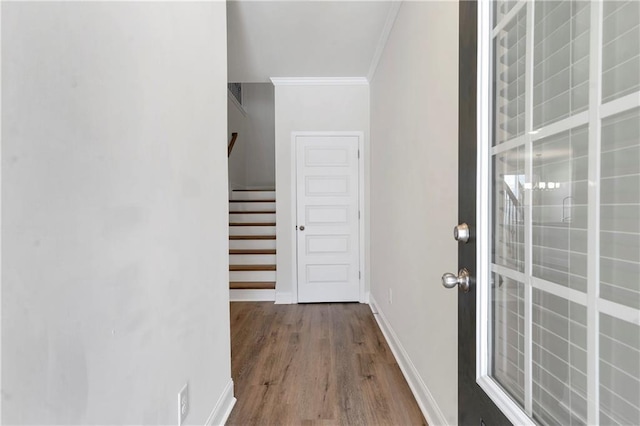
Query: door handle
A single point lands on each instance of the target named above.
(301, 227)
(462, 280)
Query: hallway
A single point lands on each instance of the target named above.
(315, 364)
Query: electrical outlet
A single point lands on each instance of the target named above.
(390, 296)
(183, 404)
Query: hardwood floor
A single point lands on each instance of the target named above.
(315, 364)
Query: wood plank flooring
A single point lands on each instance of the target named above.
(315, 364)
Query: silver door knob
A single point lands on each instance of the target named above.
(462, 280)
(301, 227)
(461, 233)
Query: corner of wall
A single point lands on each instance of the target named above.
(284, 298)
(394, 8)
(223, 407)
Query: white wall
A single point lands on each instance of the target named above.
(253, 165)
(414, 192)
(309, 108)
(114, 232)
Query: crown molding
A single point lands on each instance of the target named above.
(384, 37)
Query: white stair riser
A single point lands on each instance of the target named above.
(252, 259)
(252, 244)
(252, 230)
(253, 195)
(252, 218)
(252, 276)
(252, 207)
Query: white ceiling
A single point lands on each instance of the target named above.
(304, 38)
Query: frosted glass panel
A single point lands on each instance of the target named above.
(508, 335)
(508, 199)
(559, 213)
(561, 58)
(620, 49)
(619, 200)
(619, 372)
(509, 78)
(559, 356)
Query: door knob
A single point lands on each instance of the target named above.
(301, 227)
(462, 280)
(461, 233)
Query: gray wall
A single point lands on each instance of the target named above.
(414, 146)
(252, 162)
(114, 212)
(237, 123)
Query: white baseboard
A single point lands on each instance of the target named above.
(222, 410)
(430, 409)
(284, 298)
(373, 305)
(252, 295)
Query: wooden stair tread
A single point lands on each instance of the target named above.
(253, 201)
(252, 224)
(258, 212)
(252, 267)
(252, 237)
(252, 285)
(252, 251)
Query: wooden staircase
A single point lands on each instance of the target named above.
(252, 244)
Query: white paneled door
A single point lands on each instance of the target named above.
(328, 250)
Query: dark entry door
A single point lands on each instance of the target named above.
(550, 133)
(474, 406)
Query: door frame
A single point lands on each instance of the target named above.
(478, 393)
(361, 206)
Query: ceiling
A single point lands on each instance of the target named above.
(305, 38)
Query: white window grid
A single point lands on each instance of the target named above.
(593, 117)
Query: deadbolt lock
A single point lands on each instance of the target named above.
(461, 233)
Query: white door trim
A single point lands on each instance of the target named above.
(361, 204)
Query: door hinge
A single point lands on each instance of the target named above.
(359, 275)
(358, 214)
(358, 153)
